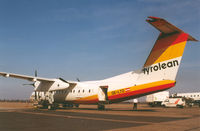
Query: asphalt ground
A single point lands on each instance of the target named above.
(16, 117)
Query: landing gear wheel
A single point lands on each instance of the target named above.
(70, 105)
(77, 105)
(101, 107)
(51, 107)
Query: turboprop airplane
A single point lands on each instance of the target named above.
(157, 74)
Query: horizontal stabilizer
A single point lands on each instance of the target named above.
(165, 27)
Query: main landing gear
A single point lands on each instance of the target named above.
(65, 106)
(101, 107)
(51, 107)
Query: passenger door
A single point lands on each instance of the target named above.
(103, 93)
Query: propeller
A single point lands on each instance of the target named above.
(78, 79)
(29, 84)
(63, 80)
(36, 73)
(32, 84)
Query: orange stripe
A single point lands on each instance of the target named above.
(171, 52)
(88, 98)
(122, 92)
(176, 102)
(141, 92)
(167, 47)
(169, 40)
(143, 86)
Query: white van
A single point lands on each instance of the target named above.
(173, 102)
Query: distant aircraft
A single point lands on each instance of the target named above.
(157, 74)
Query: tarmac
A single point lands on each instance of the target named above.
(116, 117)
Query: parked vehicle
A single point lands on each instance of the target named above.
(192, 98)
(157, 98)
(174, 102)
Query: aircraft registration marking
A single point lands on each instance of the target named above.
(121, 91)
(118, 92)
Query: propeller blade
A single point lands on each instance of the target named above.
(78, 79)
(36, 73)
(28, 84)
(63, 80)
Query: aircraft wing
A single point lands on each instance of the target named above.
(44, 83)
(25, 77)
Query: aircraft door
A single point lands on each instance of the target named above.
(103, 93)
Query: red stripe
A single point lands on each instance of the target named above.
(128, 94)
(143, 91)
(170, 40)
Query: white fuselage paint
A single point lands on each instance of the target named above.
(165, 70)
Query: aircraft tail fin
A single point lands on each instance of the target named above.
(165, 57)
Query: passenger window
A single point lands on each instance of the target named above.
(73, 91)
(89, 90)
(78, 91)
(83, 91)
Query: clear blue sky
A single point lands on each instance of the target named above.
(89, 39)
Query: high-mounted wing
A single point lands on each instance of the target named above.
(43, 84)
(25, 77)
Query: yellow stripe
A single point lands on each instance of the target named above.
(154, 84)
(163, 54)
(143, 86)
(132, 88)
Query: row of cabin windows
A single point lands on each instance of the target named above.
(79, 91)
(73, 91)
(192, 96)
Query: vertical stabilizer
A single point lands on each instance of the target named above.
(165, 57)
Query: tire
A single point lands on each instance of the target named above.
(179, 106)
(71, 105)
(77, 105)
(51, 107)
(101, 107)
